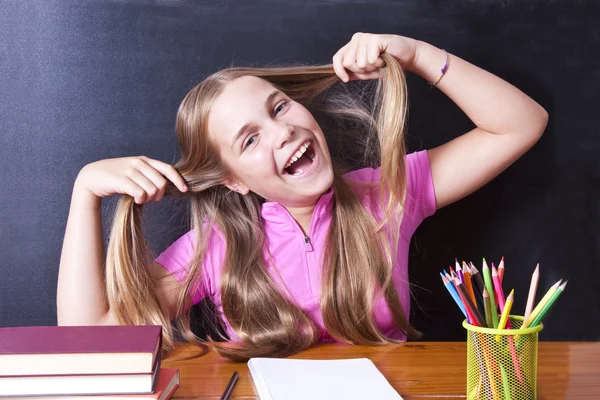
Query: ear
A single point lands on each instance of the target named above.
(237, 186)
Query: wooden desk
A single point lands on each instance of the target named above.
(417, 370)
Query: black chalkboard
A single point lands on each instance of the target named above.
(82, 81)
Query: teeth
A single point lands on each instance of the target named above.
(298, 154)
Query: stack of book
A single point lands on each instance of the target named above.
(80, 361)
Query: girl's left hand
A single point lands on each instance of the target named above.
(359, 58)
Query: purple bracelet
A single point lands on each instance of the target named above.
(444, 69)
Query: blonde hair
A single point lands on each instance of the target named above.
(358, 257)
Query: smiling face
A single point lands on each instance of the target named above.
(259, 131)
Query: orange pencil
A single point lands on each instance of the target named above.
(468, 284)
(501, 269)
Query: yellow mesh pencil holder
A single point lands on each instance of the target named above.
(502, 363)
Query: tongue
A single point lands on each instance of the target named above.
(300, 165)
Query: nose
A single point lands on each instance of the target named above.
(284, 133)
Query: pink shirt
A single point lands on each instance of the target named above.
(299, 259)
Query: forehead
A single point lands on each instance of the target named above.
(240, 101)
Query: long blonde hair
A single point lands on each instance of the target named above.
(358, 257)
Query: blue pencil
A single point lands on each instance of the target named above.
(450, 286)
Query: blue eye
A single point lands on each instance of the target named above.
(280, 105)
(249, 141)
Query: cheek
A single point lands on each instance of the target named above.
(259, 163)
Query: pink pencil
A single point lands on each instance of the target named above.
(499, 293)
(532, 290)
(496, 296)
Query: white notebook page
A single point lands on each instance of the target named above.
(287, 379)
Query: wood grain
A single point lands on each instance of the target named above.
(417, 370)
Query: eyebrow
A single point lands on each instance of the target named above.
(242, 130)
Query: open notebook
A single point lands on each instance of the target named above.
(288, 379)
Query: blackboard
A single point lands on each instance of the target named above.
(82, 81)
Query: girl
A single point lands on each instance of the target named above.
(289, 248)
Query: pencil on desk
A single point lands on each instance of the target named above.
(532, 291)
(230, 385)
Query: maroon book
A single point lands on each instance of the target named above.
(68, 350)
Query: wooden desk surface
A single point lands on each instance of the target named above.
(417, 370)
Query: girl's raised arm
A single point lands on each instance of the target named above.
(508, 122)
(81, 298)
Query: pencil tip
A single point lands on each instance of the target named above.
(502, 258)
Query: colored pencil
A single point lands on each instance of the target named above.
(495, 297)
(505, 386)
(459, 272)
(541, 305)
(501, 270)
(488, 309)
(490, 288)
(470, 307)
(476, 276)
(549, 304)
(499, 292)
(532, 291)
(506, 311)
(450, 287)
(468, 284)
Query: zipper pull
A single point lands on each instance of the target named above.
(307, 244)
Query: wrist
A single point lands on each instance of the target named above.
(82, 196)
(428, 62)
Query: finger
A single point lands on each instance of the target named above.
(361, 52)
(145, 183)
(169, 172)
(157, 179)
(364, 76)
(373, 51)
(134, 190)
(349, 60)
(338, 67)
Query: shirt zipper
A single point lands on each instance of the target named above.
(307, 244)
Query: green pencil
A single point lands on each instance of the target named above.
(488, 309)
(490, 288)
(506, 387)
(548, 305)
(541, 305)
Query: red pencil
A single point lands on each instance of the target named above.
(501, 270)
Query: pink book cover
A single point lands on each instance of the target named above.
(94, 349)
(79, 339)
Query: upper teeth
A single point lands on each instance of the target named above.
(298, 154)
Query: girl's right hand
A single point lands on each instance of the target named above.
(141, 177)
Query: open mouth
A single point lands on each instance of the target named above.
(301, 160)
